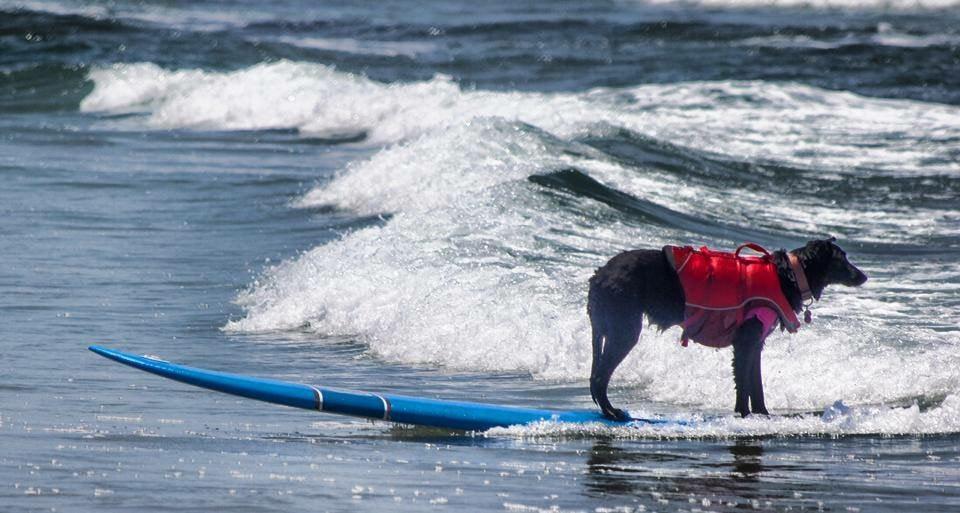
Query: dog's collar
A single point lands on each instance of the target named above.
(801, 277)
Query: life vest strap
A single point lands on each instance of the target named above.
(751, 245)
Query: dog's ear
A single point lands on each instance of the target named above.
(816, 245)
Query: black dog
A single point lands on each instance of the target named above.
(640, 282)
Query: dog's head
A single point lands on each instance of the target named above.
(826, 264)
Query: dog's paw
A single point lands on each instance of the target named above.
(616, 414)
(746, 413)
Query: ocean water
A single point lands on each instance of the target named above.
(409, 197)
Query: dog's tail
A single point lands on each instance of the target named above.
(598, 338)
(597, 335)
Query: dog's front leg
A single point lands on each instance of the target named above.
(747, 344)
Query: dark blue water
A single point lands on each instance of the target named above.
(410, 197)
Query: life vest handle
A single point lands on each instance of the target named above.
(751, 245)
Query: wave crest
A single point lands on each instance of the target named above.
(759, 121)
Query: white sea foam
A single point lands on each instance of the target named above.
(361, 46)
(264, 96)
(441, 271)
(790, 123)
(838, 419)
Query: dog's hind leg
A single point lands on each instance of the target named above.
(757, 404)
(615, 332)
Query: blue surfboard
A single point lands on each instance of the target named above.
(401, 409)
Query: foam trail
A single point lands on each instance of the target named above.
(361, 46)
(194, 17)
(885, 37)
(837, 420)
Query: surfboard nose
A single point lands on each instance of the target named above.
(102, 351)
(107, 353)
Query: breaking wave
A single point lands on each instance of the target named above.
(748, 120)
(496, 208)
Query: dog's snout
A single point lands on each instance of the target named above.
(857, 277)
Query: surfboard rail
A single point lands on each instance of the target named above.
(421, 411)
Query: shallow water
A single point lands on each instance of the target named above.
(411, 197)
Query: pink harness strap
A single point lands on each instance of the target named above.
(767, 317)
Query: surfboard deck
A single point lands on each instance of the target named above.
(420, 411)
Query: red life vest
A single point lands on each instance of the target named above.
(721, 287)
